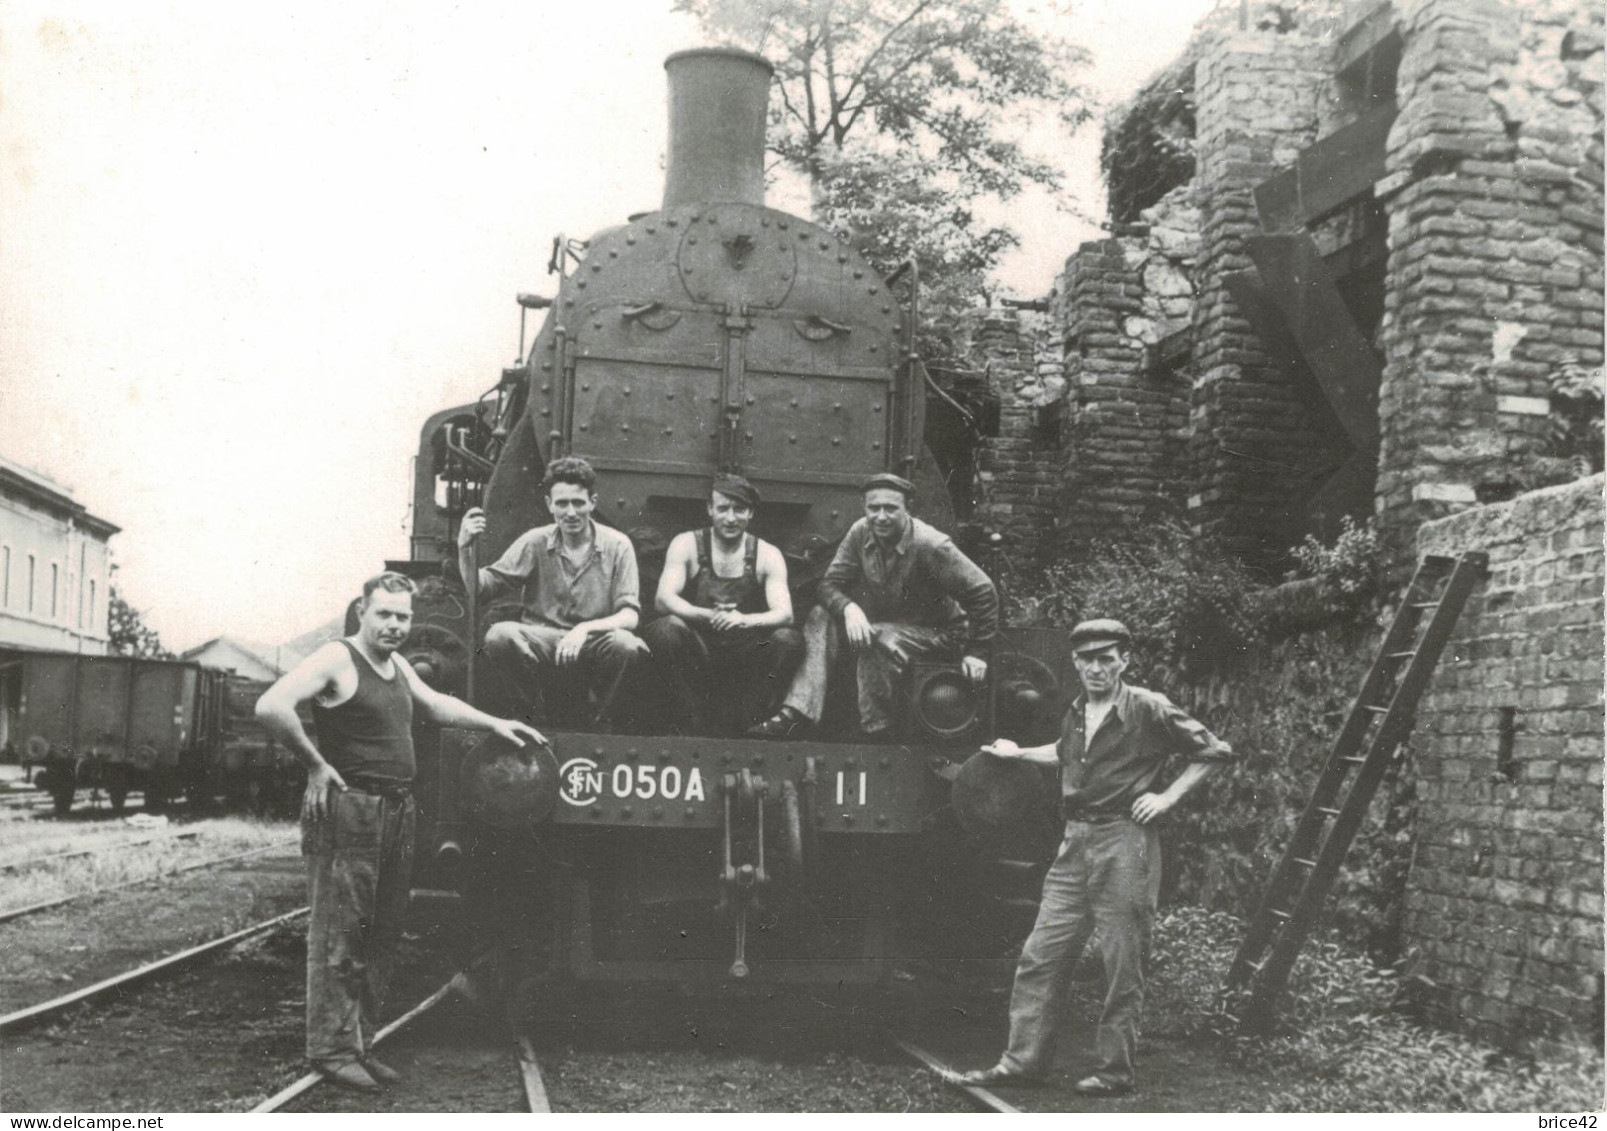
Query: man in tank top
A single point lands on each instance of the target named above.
(722, 650)
(357, 816)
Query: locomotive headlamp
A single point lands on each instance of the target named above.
(944, 705)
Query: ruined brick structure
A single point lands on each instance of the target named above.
(1361, 303)
(1019, 469)
(1390, 246)
(1494, 195)
(1504, 899)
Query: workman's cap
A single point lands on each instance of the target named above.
(1092, 635)
(738, 488)
(893, 482)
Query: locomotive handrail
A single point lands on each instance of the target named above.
(461, 450)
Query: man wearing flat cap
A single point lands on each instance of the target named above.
(723, 649)
(898, 590)
(1113, 752)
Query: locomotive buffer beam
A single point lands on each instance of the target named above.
(743, 795)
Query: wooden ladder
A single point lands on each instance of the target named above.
(1294, 898)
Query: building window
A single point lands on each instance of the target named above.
(5, 577)
(93, 624)
(55, 584)
(31, 588)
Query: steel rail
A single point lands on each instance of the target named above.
(982, 1097)
(311, 1080)
(45, 905)
(15, 865)
(530, 1071)
(24, 1017)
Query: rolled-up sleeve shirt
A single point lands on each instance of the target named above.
(923, 579)
(561, 595)
(1102, 774)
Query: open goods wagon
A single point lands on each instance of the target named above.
(163, 728)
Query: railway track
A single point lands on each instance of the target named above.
(170, 964)
(100, 849)
(8, 914)
(516, 1056)
(984, 1099)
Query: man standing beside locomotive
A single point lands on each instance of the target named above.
(898, 590)
(726, 611)
(580, 594)
(357, 816)
(1114, 746)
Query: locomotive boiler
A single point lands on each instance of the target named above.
(712, 334)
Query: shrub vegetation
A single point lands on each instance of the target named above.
(1344, 1045)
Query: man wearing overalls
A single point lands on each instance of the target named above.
(723, 650)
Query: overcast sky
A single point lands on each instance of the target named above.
(245, 251)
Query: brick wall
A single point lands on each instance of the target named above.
(1126, 419)
(1504, 898)
(1494, 194)
(1019, 468)
(1258, 94)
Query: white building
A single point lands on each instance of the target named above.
(55, 566)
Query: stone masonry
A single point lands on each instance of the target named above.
(1258, 92)
(1494, 198)
(1019, 469)
(1504, 898)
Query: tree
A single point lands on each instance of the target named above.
(902, 115)
(130, 635)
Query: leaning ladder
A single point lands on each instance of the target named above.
(1295, 896)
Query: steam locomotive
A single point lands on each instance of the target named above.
(714, 334)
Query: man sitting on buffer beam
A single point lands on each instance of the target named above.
(580, 597)
(723, 651)
(898, 590)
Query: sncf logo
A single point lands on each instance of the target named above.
(580, 781)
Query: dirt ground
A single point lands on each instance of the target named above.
(80, 943)
(224, 1035)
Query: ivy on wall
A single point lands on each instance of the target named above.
(1149, 149)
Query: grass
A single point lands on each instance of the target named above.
(1343, 1044)
(109, 867)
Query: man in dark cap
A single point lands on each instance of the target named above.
(1113, 751)
(898, 590)
(722, 650)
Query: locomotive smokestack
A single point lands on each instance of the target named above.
(719, 100)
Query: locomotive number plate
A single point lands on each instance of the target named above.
(581, 781)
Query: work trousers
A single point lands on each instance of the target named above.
(359, 873)
(1107, 875)
(719, 682)
(524, 662)
(877, 669)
